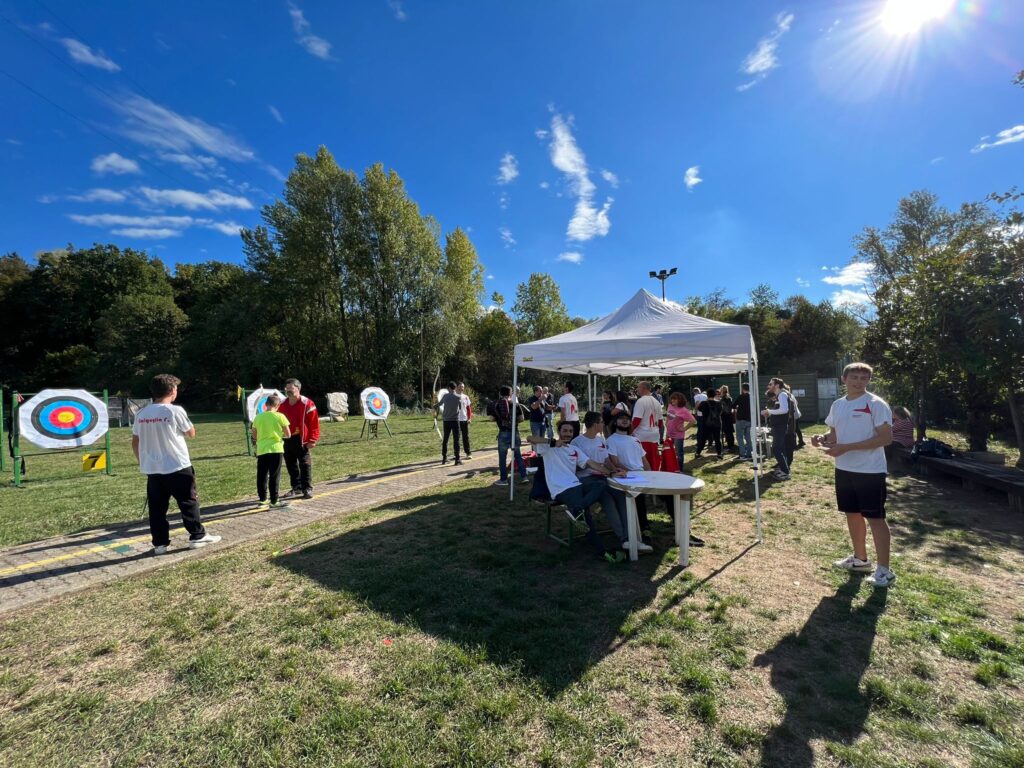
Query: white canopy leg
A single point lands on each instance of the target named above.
(515, 428)
(755, 420)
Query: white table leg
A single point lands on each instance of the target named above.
(633, 527)
(683, 516)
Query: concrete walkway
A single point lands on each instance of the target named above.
(41, 570)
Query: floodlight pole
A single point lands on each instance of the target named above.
(663, 275)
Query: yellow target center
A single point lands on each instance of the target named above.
(66, 417)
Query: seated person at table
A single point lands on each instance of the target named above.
(625, 452)
(594, 444)
(561, 460)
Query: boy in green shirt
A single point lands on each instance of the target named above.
(269, 431)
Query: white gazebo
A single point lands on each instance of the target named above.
(648, 336)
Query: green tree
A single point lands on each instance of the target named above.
(495, 339)
(539, 310)
(138, 336)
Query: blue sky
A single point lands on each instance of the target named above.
(741, 142)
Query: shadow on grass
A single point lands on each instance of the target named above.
(818, 671)
(471, 568)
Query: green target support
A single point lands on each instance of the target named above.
(15, 440)
(106, 435)
(246, 425)
(3, 449)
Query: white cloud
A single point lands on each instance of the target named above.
(936, 160)
(160, 128)
(508, 170)
(541, 134)
(114, 163)
(857, 273)
(848, 298)
(1009, 136)
(762, 59)
(490, 277)
(803, 283)
(184, 198)
(573, 257)
(120, 220)
(15, 142)
(200, 165)
(83, 54)
(611, 178)
(276, 113)
(692, 177)
(147, 234)
(587, 221)
(506, 236)
(224, 227)
(504, 200)
(544, 185)
(398, 10)
(315, 46)
(99, 196)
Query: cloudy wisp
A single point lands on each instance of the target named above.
(314, 45)
(587, 221)
(83, 54)
(763, 59)
(113, 163)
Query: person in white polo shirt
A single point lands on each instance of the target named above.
(561, 461)
(860, 427)
(569, 409)
(648, 422)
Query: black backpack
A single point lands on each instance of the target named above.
(932, 447)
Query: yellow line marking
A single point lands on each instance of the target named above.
(137, 539)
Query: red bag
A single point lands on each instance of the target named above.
(669, 463)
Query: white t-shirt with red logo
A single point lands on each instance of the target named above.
(595, 448)
(627, 450)
(568, 406)
(560, 465)
(161, 429)
(648, 410)
(854, 421)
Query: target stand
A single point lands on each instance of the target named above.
(62, 420)
(376, 409)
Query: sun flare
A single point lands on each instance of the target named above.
(906, 17)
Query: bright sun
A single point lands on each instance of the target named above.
(906, 17)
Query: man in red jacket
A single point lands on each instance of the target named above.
(304, 422)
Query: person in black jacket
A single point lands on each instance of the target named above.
(728, 431)
(711, 424)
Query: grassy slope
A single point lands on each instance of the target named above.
(445, 630)
(59, 498)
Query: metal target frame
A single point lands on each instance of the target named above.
(18, 454)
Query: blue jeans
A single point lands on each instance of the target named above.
(679, 443)
(743, 438)
(547, 426)
(504, 444)
(579, 498)
(613, 504)
(536, 429)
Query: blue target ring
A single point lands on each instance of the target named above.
(64, 418)
(261, 404)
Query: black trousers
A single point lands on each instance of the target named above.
(268, 470)
(464, 429)
(712, 435)
(299, 463)
(181, 486)
(729, 433)
(451, 428)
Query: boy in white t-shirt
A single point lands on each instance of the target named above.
(158, 440)
(860, 426)
(569, 409)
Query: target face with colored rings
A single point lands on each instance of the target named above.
(376, 403)
(256, 402)
(62, 418)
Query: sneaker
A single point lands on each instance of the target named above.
(444, 461)
(307, 495)
(292, 492)
(280, 505)
(263, 505)
(207, 539)
(780, 475)
(644, 549)
(161, 550)
(502, 483)
(695, 542)
(524, 480)
(881, 578)
(458, 462)
(855, 564)
(469, 457)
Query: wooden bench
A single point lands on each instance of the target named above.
(975, 473)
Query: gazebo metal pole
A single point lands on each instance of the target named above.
(755, 420)
(515, 429)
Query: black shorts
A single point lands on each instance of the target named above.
(861, 493)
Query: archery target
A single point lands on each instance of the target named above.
(376, 403)
(256, 402)
(63, 418)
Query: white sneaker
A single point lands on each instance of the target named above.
(207, 539)
(161, 550)
(524, 480)
(645, 549)
(881, 578)
(503, 483)
(855, 564)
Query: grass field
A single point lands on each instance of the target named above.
(446, 630)
(58, 498)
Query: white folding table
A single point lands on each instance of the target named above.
(682, 489)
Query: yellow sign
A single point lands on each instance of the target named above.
(94, 461)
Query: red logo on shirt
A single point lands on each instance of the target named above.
(865, 409)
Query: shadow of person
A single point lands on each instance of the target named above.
(473, 569)
(817, 671)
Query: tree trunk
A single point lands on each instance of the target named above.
(919, 419)
(1016, 402)
(977, 415)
